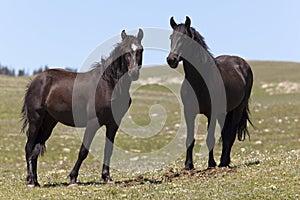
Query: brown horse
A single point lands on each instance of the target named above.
(92, 99)
(203, 93)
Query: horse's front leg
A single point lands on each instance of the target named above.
(89, 134)
(210, 142)
(109, 142)
(190, 140)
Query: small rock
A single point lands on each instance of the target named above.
(258, 142)
(134, 158)
(67, 150)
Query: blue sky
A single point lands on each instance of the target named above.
(63, 33)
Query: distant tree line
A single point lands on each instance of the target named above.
(4, 70)
(40, 70)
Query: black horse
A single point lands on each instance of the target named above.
(92, 99)
(235, 78)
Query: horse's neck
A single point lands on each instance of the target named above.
(199, 68)
(192, 73)
(119, 82)
(120, 85)
(198, 62)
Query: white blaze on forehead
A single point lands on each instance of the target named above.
(134, 47)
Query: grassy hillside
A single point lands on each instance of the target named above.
(265, 167)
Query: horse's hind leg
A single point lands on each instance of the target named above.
(34, 124)
(228, 137)
(44, 133)
(37, 146)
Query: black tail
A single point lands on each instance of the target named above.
(24, 112)
(242, 129)
(24, 117)
(39, 148)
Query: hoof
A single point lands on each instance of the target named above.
(108, 180)
(33, 185)
(212, 164)
(73, 181)
(189, 167)
(223, 165)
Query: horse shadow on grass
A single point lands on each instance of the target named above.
(206, 173)
(140, 180)
(168, 176)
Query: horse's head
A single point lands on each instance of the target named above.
(180, 38)
(132, 53)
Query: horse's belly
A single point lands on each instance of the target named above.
(69, 118)
(66, 109)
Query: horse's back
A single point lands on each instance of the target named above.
(49, 80)
(51, 92)
(234, 62)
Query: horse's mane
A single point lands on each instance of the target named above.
(112, 65)
(200, 39)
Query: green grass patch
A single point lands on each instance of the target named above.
(264, 167)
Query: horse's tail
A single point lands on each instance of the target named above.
(24, 112)
(39, 148)
(242, 129)
(24, 118)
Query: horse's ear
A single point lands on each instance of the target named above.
(187, 22)
(173, 23)
(123, 35)
(140, 35)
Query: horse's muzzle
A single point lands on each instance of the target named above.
(173, 60)
(134, 74)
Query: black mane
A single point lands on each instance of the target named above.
(112, 66)
(200, 39)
